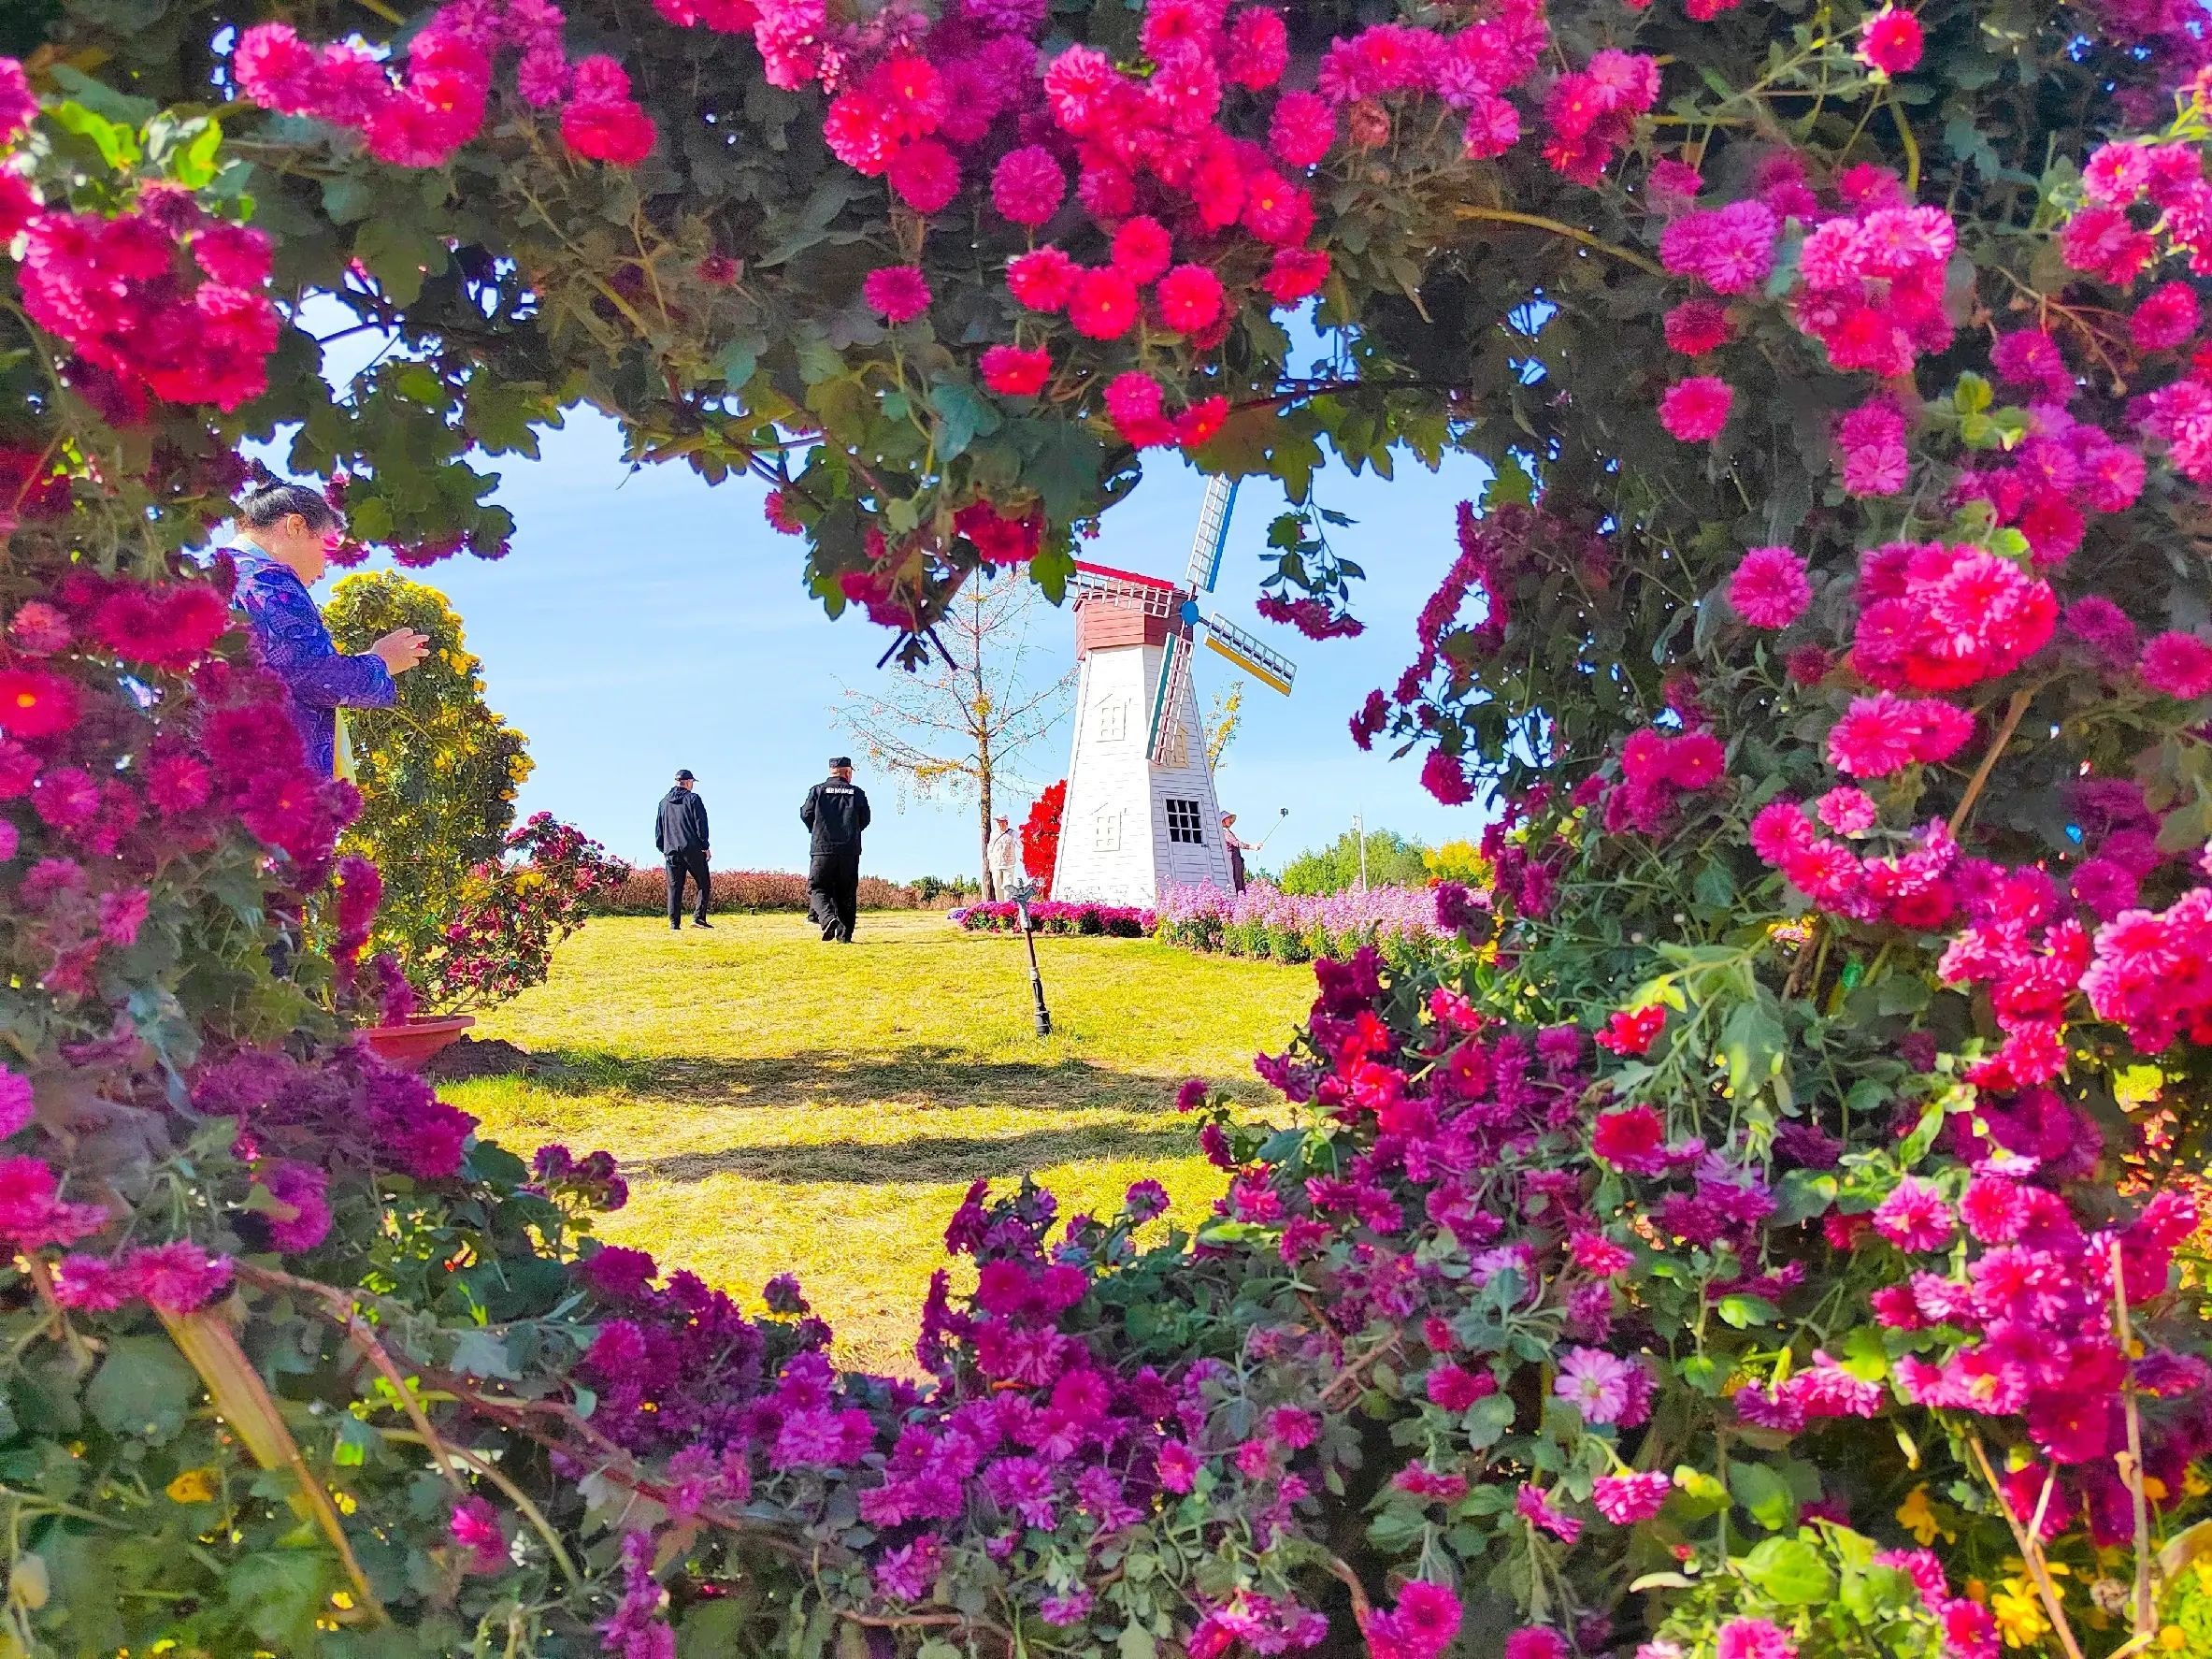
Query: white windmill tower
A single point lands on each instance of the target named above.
(1141, 813)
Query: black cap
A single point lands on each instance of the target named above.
(839, 762)
(684, 776)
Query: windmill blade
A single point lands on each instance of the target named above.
(1266, 664)
(1213, 535)
(1167, 696)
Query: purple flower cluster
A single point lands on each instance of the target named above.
(1263, 921)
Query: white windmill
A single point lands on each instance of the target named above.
(1140, 812)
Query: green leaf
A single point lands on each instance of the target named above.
(1973, 395)
(962, 418)
(143, 1389)
(1764, 1494)
(102, 99)
(713, 1628)
(190, 150)
(399, 256)
(736, 361)
(1801, 1194)
(1697, 1494)
(1789, 1570)
(117, 144)
(1743, 1311)
(1714, 886)
(278, 1593)
(1136, 1642)
(1487, 1420)
(1509, 484)
(481, 1353)
(1914, 1145)
(1751, 1043)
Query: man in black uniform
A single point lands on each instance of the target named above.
(836, 810)
(680, 833)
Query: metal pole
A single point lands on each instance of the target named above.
(1359, 835)
(1036, 979)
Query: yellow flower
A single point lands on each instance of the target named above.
(2019, 1613)
(195, 1486)
(2171, 1638)
(1918, 1518)
(2154, 1489)
(2194, 1481)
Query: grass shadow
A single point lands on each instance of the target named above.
(929, 1160)
(922, 1074)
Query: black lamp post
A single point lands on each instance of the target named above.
(1022, 893)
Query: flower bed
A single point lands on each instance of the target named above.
(1262, 921)
(645, 892)
(1113, 921)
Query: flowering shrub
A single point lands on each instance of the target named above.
(1041, 836)
(513, 913)
(438, 773)
(1768, 1231)
(1289, 928)
(644, 892)
(1118, 921)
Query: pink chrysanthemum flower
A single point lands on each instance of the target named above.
(1695, 410)
(2178, 664)
(1770, 587)
(897, 293)
(1891, 41)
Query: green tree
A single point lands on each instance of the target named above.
(1393, 860)
(437, 770)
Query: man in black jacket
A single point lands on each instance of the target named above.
(836, 810)
(680, 833)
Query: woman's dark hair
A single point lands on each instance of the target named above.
(273, 503)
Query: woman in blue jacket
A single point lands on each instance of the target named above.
(287, 531)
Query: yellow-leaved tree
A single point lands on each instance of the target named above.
(437, 770)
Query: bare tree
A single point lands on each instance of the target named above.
(955, 732)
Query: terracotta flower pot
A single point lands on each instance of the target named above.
(409, 1045)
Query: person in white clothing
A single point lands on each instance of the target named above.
(1004, 858)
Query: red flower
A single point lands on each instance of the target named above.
(1293, 274)
(615, 131)
(1042, 280)
(1632, 1030)
(1142, 248)
(1104, 304)
(1697, 326)
(1015, 372)
(1201, 423)
(35, 704)
(1633, 1139)
(1190, 298)
(925, 176)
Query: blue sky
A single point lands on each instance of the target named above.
(646, 621)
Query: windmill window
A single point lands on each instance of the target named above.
(1184, 822)
(1106, 833)
(1114, 722)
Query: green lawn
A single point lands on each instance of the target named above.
(782, 1104)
